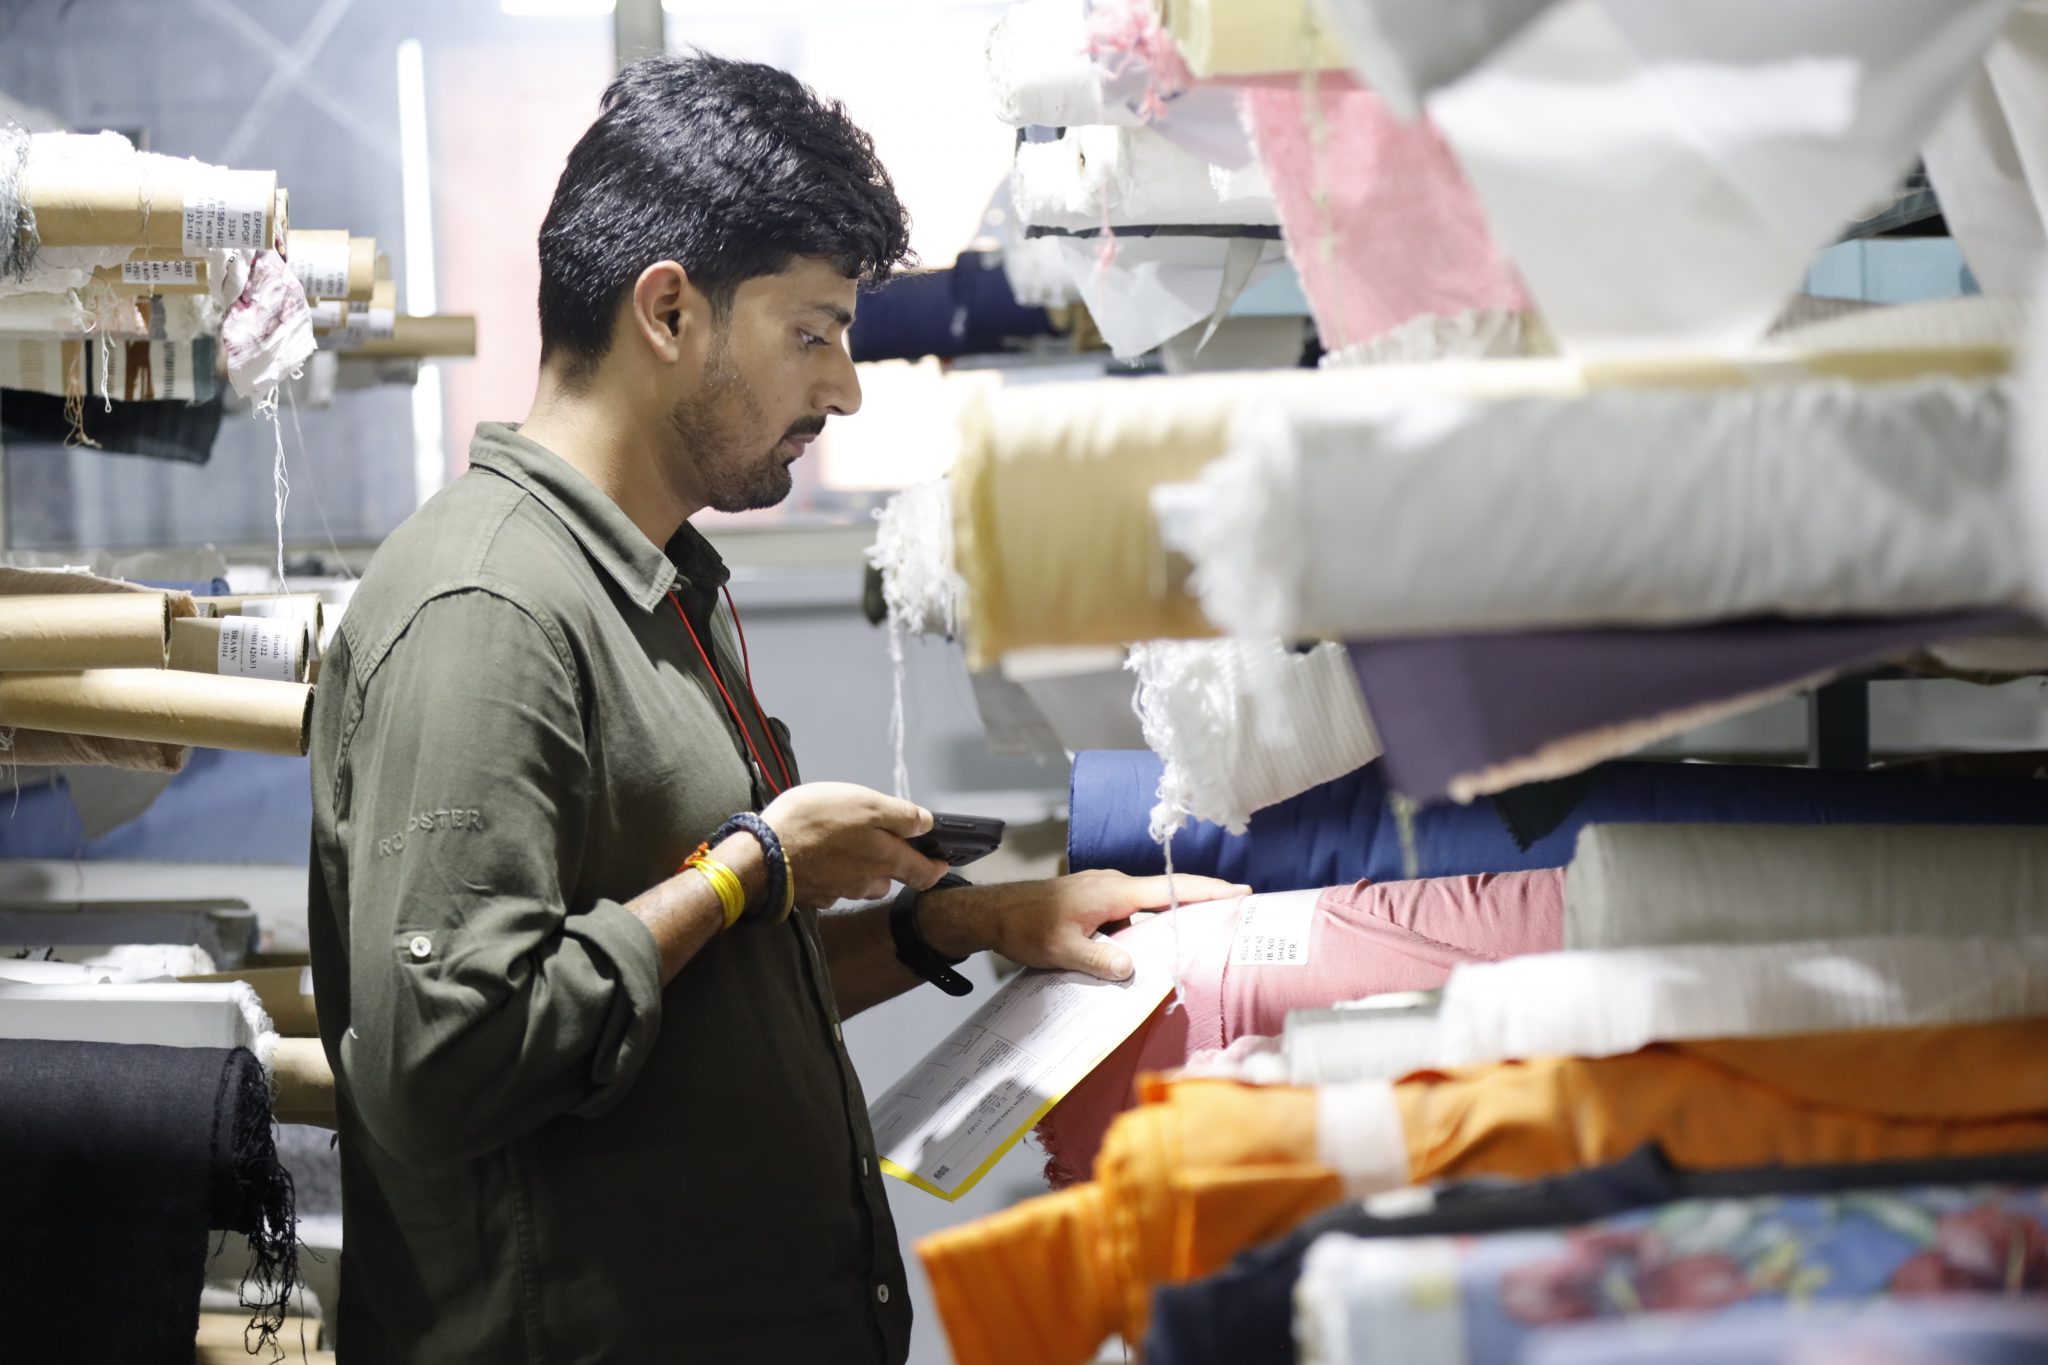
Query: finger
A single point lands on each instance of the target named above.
(1103, 960)
(905, 819)
(873, 891)
(1153, 893)
(914, 869)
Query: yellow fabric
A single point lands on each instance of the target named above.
(1870, 1095)
(1052, 519)
(1251, 37)
(1182, 1184)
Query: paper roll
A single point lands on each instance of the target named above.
(302, 606)
(333, 265)
(168, 275)
(166, 707)
(304, 1082)
(243, 646)
(61, 632)
(149, 202)
(277, 989)
(434, 335)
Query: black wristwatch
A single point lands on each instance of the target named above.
(911, 949)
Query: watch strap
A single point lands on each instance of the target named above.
(911, 949)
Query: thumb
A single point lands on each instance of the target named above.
(902, 818)
(1099, 959)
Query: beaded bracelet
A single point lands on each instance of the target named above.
(781, 897)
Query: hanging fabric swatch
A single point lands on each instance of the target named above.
(1380, 224)
(1638, 885)
(1246, 964)
(1406, 48)
(138, 1152)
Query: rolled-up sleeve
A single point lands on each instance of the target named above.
(482, 1005)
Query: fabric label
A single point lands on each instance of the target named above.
(227, 210)
(251, 647)
(160, 272)
(1273, 931)
(322, 268)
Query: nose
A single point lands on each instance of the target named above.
(839, 393)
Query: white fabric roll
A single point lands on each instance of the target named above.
(1609, 1002)
(1039, 70)
(1383, 517)
(1406, 48)
(168, 1014)
(1242, 724)
(1355, 1303)
(1662, 171)
(1117, 177)
(1641, 885)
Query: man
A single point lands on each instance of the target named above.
(594, 1107)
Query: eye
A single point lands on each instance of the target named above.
(807, 340)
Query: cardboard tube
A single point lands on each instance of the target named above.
(304, 1083)
(438, 334)
(243, 646)
(362, 269)
(137, 203)
(305, 606)
(335, 258)
(291, 1013)
(167, 275)
(162, 706)
(48, 749)
(72, 631)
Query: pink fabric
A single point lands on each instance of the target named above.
(1405, 236)
(1366, 939)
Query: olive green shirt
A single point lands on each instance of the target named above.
(547, 1156)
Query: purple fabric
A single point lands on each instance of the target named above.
(1455, 704)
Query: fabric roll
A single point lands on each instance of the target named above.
(1561, 131)
(1910, 1329)
(1246, 1312)
(1245, 965)
(1241, 725)
(1380, 224)
(1406, 48)
(1040, 70)
(160, 429)
(1470, 715)
(285, 994)
(1097, 177)
(137, 1152)
(1351, 829)
(1805, 499)
(50, 749)
(97, 190)
(73, 631)
(166, 707)
(1483, 1301)
(1607, 1002)
(967, 308)
(170, 1014)
(1645, 885)
(1251, 37)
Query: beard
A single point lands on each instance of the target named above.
(712, 429)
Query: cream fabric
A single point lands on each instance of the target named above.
(1251, 37)
(1411, 515)
(1241, 725)
(1603, 1003)
(1640, 885)
(1662, 171)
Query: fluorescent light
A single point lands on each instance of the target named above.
(548, 9)
(429, 443)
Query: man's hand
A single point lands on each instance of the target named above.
(847, 842)
(1052, 923)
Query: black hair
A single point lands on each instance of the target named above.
(731, 169)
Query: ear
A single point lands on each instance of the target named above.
(666, 311)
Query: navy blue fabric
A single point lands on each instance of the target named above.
(1347, 831)
(223, 808)
(212, 587)
(966, 309)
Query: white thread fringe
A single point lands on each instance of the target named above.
(913, 549)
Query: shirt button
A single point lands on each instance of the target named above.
(863, 1165)
(881, 1293)
(421, 946)
(837, 1036)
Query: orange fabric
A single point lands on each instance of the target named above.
(1868, 1095)
(1201, 1171)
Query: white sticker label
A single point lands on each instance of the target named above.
(160, 272)
(227, 211)
(322, 268)
(1273, 931)
(330, 313)
(374, 324)
(251, 647)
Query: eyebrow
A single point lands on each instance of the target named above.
(831, 310)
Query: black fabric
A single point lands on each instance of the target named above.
(162, 429)
(1534, 810)
(120, 1158)
(1246, 1311)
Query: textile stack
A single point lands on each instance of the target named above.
(1531, 1042)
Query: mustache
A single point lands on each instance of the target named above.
(809, 426)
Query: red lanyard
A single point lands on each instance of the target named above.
(731, 708)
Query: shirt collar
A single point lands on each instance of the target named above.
(643, 571)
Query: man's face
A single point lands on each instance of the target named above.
(776, 367)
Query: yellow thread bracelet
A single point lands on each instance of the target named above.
(732, 895)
